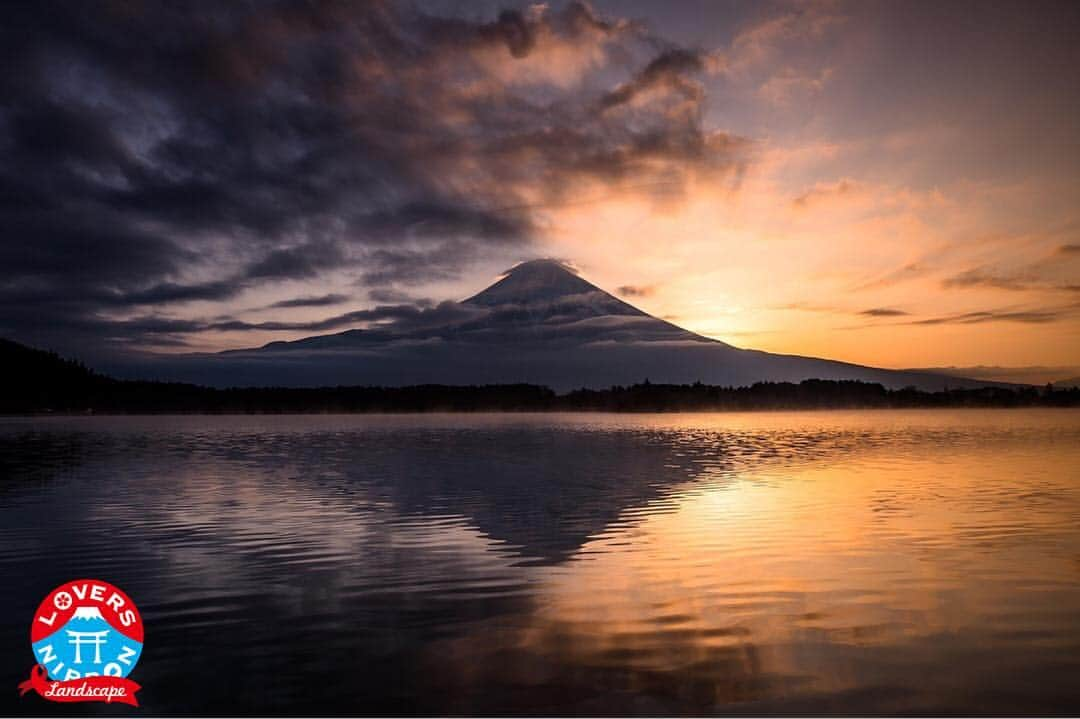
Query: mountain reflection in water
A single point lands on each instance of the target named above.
(876, 562)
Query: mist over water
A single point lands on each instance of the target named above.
(857, 562)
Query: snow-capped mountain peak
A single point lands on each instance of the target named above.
(87, 613)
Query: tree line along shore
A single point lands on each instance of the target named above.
(38, 382)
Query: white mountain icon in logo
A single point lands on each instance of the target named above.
(88, 613)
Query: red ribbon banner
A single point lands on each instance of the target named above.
(87, 689)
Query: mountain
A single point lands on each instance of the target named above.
(546, 281)
(88, 613)
(541, 323)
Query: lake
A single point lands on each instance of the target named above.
(822, 562)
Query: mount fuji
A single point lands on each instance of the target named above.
(541, 323)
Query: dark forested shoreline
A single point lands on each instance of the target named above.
(37, 382)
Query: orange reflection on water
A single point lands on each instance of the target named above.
(901, 574)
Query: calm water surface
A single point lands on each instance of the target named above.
(881, 562)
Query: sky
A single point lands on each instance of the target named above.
(888, 183)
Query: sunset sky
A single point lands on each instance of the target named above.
(894, 184)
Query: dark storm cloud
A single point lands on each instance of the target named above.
(383, 322)
(170, 292)
(410, 266)
(157, 154)
(378, 314)
(391, 295)
(434, 220)
(321, 301)
(671, 70)
(299, 262)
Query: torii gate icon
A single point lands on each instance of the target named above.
(81, 639)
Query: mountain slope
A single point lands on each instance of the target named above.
(540, 323)
(34, 380)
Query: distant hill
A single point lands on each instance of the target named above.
(542, 324)
(1067, 383)
(38, 382)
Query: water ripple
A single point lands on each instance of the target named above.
(891, 562)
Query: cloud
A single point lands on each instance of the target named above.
(669, 72)
(397, 320)
(829, 309)
(979, 277)
(636, 290)
(171, 292)
(181, 153)
(905, 273)
(408, 266)
(300, 262)
(347, 319)
(390, 295)
(1037, 316)
(1048, 273)
(822, 191)
(320, 301)
(1071, 249)
(789, 85)
(883, 312)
